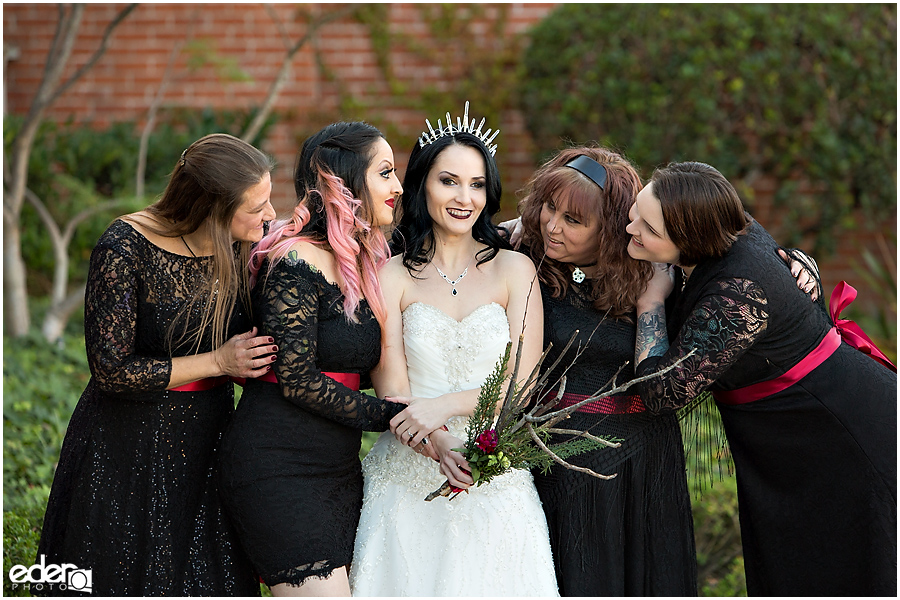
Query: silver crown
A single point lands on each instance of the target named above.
(462, 126)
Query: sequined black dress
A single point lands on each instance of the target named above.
(632, 535)
(134, 498)
(816, 462)
(290, 462)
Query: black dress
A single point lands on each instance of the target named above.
(816, 462)
(290, 466)
(632, 535)
(134, 497)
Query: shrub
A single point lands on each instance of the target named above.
(21, 533)
(795, 91)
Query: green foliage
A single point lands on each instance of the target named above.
(41, 385)
(880, 274)
(75, 166)
(713, 488)
(795, 91)
(21, 534)
(720, 562)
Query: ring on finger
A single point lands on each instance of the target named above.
(411, 434)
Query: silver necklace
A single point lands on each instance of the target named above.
(455, 281)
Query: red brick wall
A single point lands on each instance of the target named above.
(123, 84)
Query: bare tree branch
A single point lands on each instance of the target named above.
(558, 460)
(587, 435)
(101, 49)
(151, 119)
(284, 72)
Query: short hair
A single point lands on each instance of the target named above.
(702, 211)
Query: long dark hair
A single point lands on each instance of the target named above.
(334, 209)
(620, 279)
(208, 185)
(414, 234)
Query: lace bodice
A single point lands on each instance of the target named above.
(744, 316)
(298, 307)
(443, 355)
(134, 290)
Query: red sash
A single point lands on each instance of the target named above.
(845, 329)
(841, 297)
(351, 380)
(201, 384)
(611, 405)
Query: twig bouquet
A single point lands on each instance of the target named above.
(519, 436)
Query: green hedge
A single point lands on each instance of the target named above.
(794, 91)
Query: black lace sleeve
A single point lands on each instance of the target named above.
(110, 327)
(288, 310)
(721, 327)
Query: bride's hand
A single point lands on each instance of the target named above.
(452, 463)
(420, 418)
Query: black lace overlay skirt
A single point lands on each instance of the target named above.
(292, 483)
(629, 536)
(135, 499)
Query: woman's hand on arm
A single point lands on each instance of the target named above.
(425, 415)
(244, 355)
(452, 463)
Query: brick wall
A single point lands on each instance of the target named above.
(256, 37)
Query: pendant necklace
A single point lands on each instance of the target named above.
(448, 280)
(578, 275)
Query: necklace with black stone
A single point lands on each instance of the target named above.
(452, 282)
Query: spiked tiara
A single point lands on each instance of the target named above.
(462, 126)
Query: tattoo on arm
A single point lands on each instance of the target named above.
(652, 338)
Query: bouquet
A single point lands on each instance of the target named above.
(519, 437)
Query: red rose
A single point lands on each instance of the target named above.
(487, 441)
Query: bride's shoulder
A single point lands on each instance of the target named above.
(515, 264)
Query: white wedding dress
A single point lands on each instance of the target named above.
(492, 541)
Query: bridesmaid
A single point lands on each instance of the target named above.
(290, 467)
(811, 421)
(134, 497)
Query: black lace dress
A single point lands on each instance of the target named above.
(632, 535)
(134, 497)
(290, 465)
(816, 462)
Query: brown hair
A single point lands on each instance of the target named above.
(620, 279)
(208, 185)
(702, 211)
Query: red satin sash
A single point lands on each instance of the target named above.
(611, 405)
(351, 380)
(202, 384)
(841, 297)
(843, 329)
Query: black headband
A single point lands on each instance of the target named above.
(590, 168)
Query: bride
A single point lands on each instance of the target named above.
(455, 298)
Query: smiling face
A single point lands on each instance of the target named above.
(649, 239)
(455, 190)
(568, 237)
(256, 209)
(382, 183)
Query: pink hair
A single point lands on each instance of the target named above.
(360, 250)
